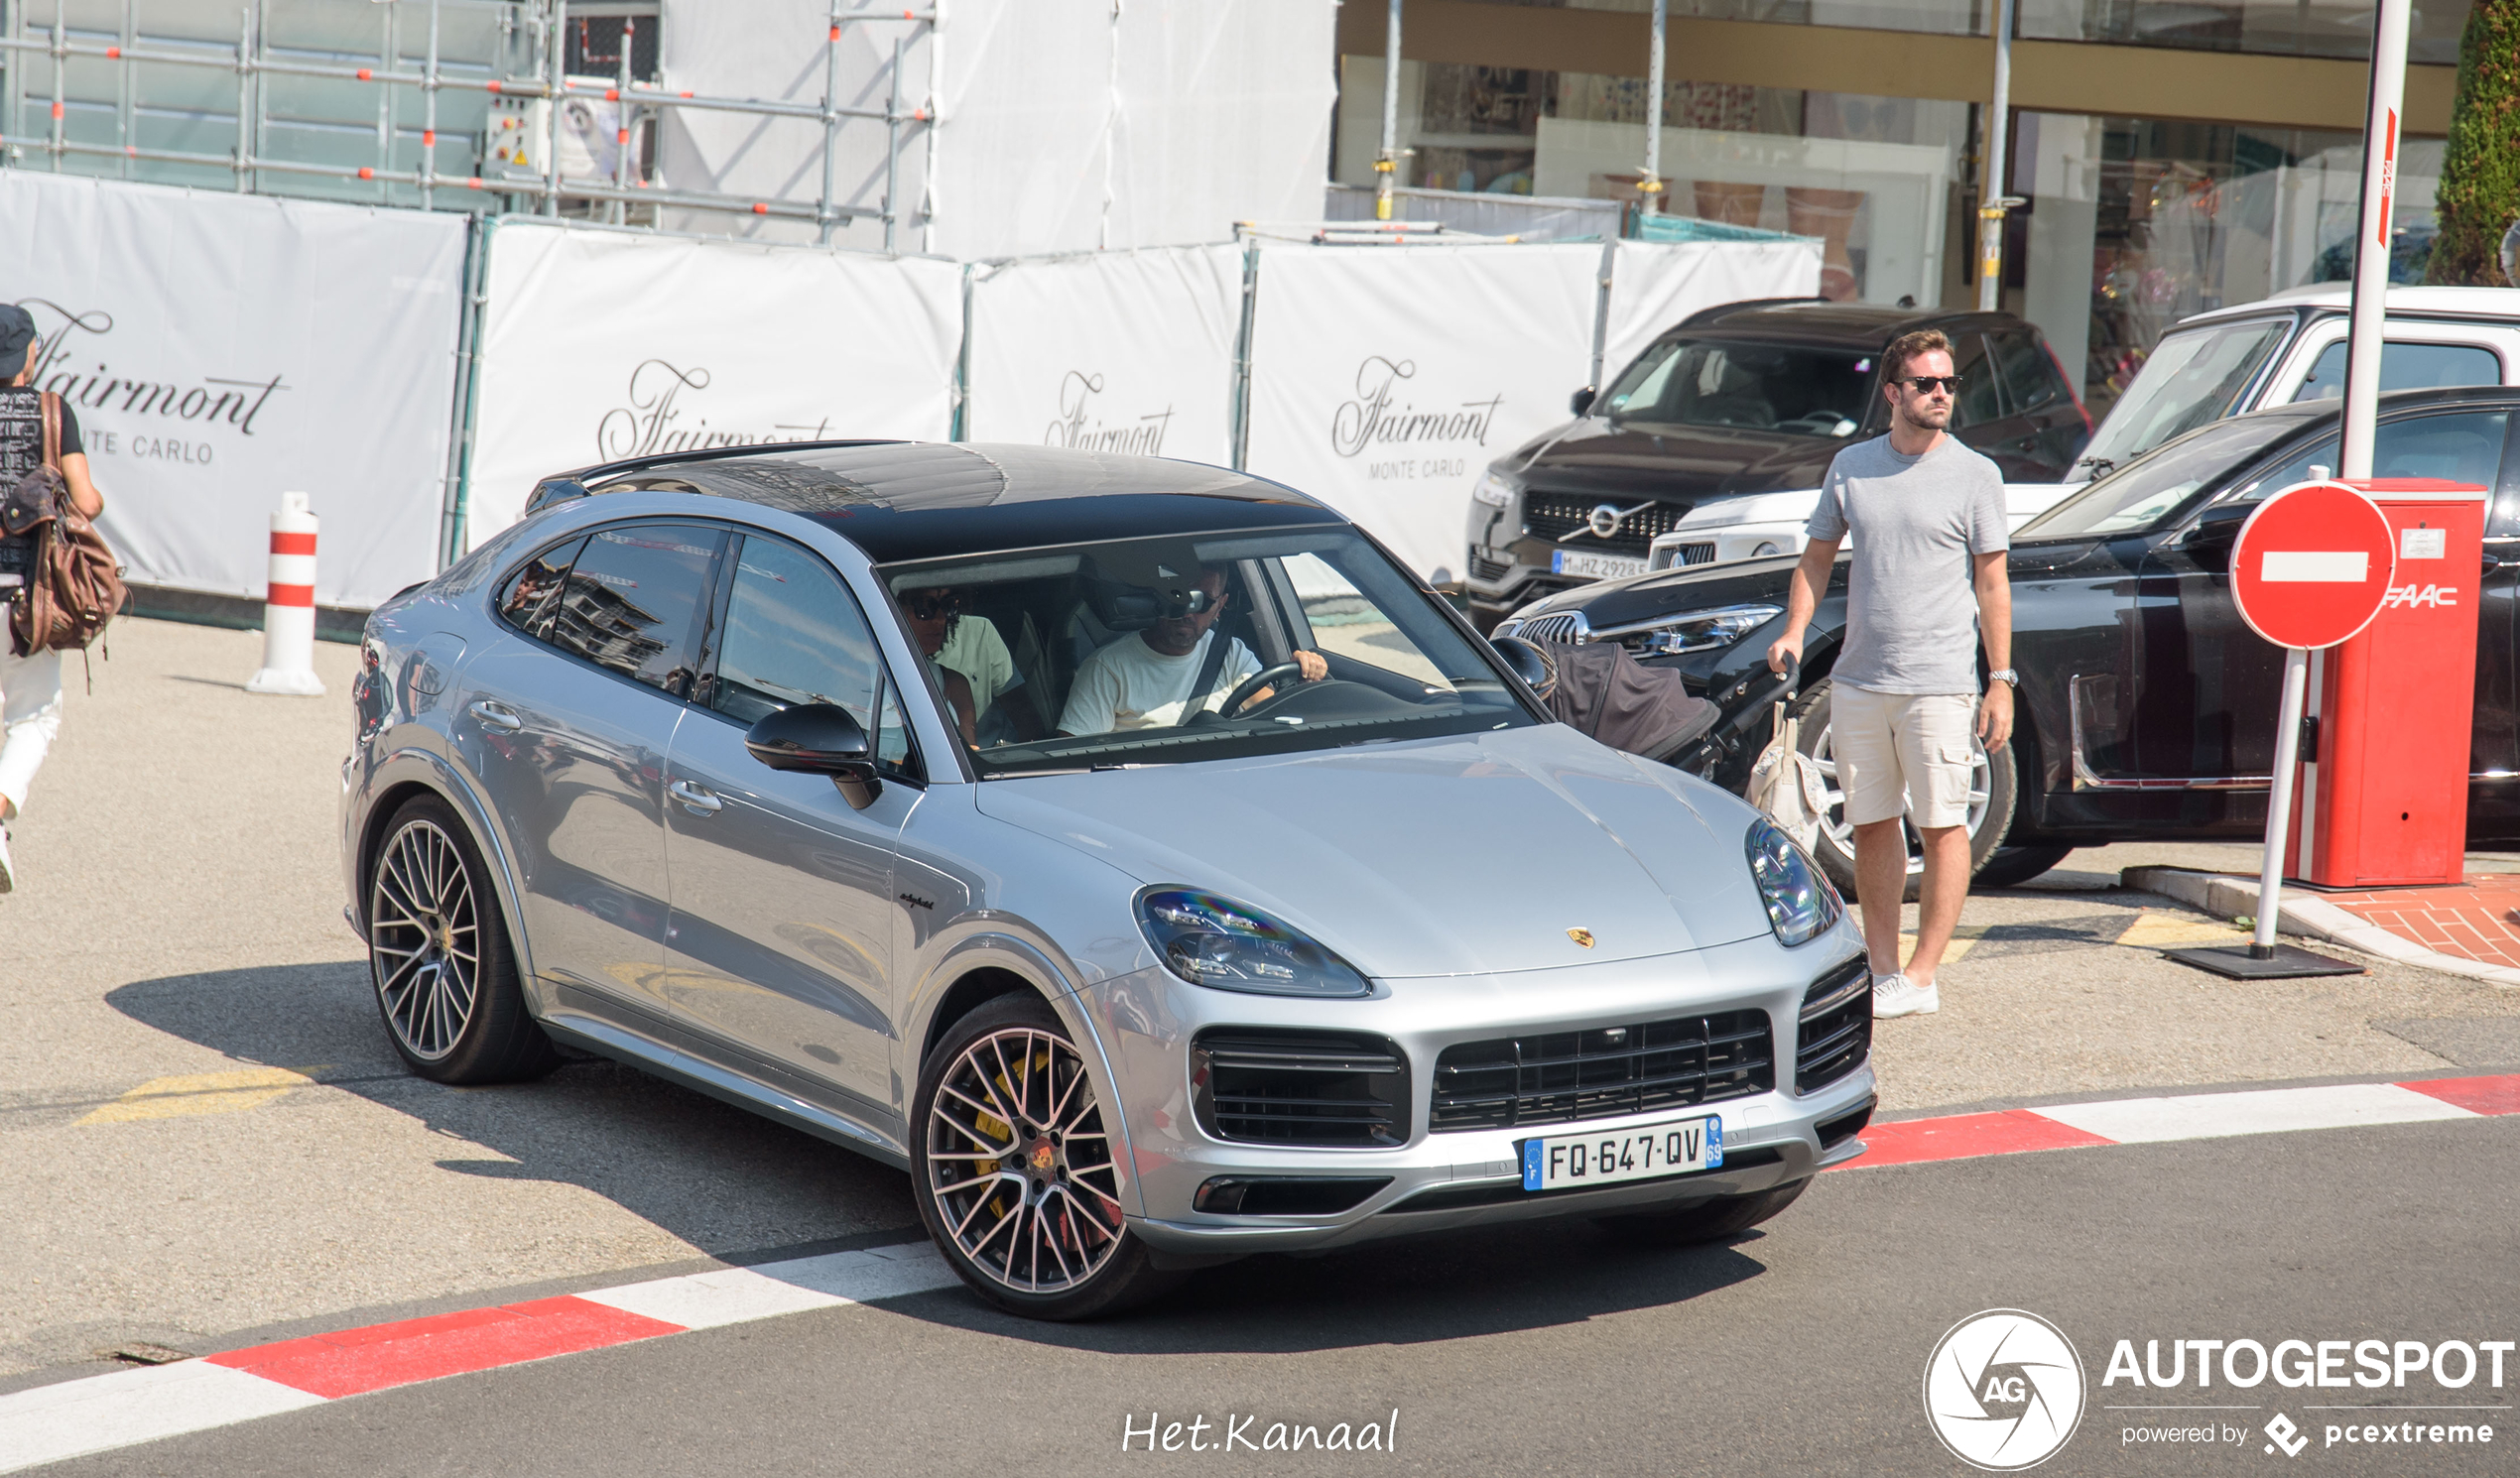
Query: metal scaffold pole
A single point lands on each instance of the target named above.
(823, 219)
(1651, 186)
(892, 153)
(1387, 162)
(428, 112)
(1995, 203)
(556, 59)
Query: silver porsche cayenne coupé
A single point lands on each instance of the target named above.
(1106, 841)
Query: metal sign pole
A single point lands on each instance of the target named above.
(1389, 160)
(2371, 239)
(1992, 205)
(2279, 806)
(1651, 186)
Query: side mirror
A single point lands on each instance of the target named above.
(819, 739)
(2209, 542)
(1528, 663)
(1581, 401)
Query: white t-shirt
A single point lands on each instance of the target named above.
(1131, 685)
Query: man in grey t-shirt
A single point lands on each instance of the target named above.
(1925, 585)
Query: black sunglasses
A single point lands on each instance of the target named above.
(1187, 603)
(1925, 384)
(930, 607)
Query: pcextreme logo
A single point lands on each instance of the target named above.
(2004, 1389)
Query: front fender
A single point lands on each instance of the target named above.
(413, 766)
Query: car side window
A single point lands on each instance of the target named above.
(1981, 398)
(528, 600)
(794, 635)
(632, 601)
(2465, 447)
(2405, 367)
(2029, 376)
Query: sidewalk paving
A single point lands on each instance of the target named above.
(2478, 919)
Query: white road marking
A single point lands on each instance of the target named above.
(2205, 1116)
(52, 1422)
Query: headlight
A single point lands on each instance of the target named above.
(1801, 904)
(1215, 942)
(1492, 490)
(1690, 630)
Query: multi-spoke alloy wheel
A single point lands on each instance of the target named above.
(1020, 1164)
(1012, 1161)
(1993, 786)
(424, 940)
(437, 953)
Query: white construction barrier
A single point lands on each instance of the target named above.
(288, 604)
(601, 345)
(1655, 285)
(1108, 351)
(214, 347)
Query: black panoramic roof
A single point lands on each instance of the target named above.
(926, 500)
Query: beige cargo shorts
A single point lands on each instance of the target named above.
(1902, 752)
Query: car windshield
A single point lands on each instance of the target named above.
(2159, 484)
(2191, 378)
(1163, 650)
(1766, 387)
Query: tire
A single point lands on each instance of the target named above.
(2012, 866)
(1707, 1221)
(1050, 1242)
(438, 957)
(1991, 812)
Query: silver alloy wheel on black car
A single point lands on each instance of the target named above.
(438, 957)
(1992, 793)
(1017, 1174)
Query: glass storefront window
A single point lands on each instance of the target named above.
(1946, 17)
(2310, 28)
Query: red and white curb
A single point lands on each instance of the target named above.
(99, 1412)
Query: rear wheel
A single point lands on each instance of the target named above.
(1707, 1221)
(438, 955)
(1992, 785)
(1016, 1171)
(2011, 867)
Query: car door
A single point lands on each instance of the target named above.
(783, 895)
(2205, 686)
(2494, 765)
(569, 722)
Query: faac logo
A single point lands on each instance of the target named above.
(152, 415)
(651, 422)
(1142, 438)
(1371, 419)
(2435, 596)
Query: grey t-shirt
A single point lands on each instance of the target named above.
(1911, 607)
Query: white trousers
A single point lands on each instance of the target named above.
(30, 718)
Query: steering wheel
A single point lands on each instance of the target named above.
(1265, 678)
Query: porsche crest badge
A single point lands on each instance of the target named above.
(1583, 936)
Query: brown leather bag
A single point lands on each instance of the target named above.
(73, 585)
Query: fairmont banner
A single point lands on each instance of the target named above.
(1128, 351)
(218, 349)
(602, 346)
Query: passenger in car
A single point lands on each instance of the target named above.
(973, 667)
(1158, 677)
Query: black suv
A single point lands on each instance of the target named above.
(1722, 428)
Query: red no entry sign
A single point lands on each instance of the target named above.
(2313, 564)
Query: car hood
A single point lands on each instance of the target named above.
(1434, 857)
(1677, 464)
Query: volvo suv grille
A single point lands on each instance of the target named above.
(1263, 1086)
(1561, 1078)
(1552, 515)
(1836, 1027)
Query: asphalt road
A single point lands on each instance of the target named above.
(1799, 1349)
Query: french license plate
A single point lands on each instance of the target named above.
(1594, 567)
(1673, 1149)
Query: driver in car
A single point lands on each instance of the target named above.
(1144, 679)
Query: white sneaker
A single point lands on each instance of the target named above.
(8, 869)
(1897, 994)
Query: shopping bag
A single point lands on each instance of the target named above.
(1787, 786)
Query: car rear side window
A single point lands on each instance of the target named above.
(632, 601)
(794, 635)
(2030, 377)
(527, 602)
(1982, 399)
(2465, 447)
(2405, 367)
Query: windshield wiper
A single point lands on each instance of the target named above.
(2100, 466)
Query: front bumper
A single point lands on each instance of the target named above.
(1147, 1022)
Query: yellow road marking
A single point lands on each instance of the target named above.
(1963, 939)
(203, 1093)
(2169, 930)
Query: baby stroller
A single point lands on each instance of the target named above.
(1600, 689)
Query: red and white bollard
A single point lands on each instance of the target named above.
(289, 605)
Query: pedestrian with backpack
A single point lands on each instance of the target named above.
(47, 505)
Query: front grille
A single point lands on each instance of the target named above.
(1565, 1077)
(1570, 628)
(1836, 1027)
(1269, 1088)
(1552, 515)
(1490, 571)
(1679, 554)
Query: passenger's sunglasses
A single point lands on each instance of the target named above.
(1925, 384)
(934, 607)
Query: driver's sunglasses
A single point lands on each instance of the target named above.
(934, 607)
(1190, 603)
(1925, 384)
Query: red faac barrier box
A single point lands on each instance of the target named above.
(2384, 787)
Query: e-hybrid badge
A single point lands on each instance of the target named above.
(1672, 1148)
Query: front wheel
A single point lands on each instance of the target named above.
(1707, 1221)
(438, 955)
(1992, 788)
(1016, 1172)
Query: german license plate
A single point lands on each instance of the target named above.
(1599, 1158)
(1594, 567)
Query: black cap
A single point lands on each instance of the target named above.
(16, 336)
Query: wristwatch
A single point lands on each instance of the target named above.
(2005, 675)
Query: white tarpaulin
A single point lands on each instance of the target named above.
(1655, 285)
(1108, 351)
(218, 349)
(599, 345)
(1385, 380)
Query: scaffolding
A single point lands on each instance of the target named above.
(88, 91)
